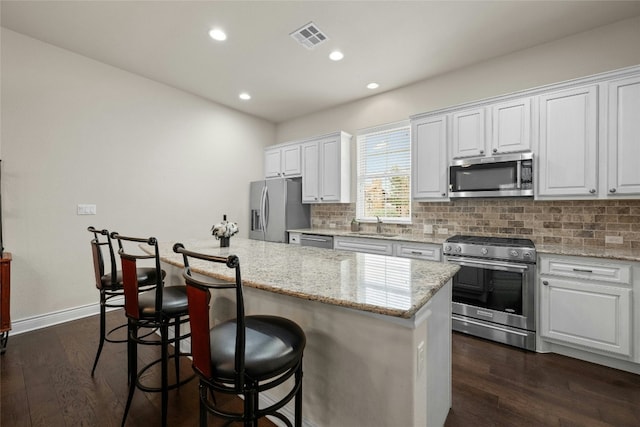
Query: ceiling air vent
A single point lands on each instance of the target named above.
(309, 35)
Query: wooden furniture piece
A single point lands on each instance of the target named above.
(5, 292)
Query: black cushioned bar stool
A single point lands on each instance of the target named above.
(110, 284)
(161, 308)
(243, 356)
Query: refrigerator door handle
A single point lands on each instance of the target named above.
(266, 208)
(262, 209)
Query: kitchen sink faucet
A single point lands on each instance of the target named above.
(378, 225)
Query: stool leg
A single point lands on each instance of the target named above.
(176, 349)
(164, 332)
(132, 362)
(298, 398)
(202, 389)
(102, 329)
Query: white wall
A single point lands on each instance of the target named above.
(155, 160)
(602, 49)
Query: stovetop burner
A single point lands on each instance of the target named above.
(491, 241)
(498, 248)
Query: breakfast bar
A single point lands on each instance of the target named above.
(378, 328)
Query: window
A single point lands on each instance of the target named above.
(384, 170)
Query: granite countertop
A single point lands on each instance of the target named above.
(396, 287)
(594, 252)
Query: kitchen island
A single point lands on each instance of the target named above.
(378, 328)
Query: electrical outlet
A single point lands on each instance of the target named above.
(617, 240)
(443, 231)
(427, 229)
(420, 358)
(86, 209)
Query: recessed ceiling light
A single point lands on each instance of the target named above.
(217, 34)
(373, 86)
(336, 55)
(244, 96)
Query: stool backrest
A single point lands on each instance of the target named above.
(198, 294)
(129, 261)
(102, 239)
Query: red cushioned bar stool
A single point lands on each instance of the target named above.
(244, 356)
(110, 285)
(162, 308)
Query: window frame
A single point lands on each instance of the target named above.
(362, 135)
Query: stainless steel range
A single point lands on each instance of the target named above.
(493, 293)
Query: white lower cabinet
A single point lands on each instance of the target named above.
(418, 251)
(587, 304)
(360, 244)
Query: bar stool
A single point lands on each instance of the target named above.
(110, 285)
(161, 308)
(243, 356)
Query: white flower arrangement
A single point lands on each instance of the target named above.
(224, 229)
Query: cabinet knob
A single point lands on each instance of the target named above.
(545, 283)
(495, 150)
(592, 191)
(481, 151)
(612, 190)
(444, 194)
(321, 198)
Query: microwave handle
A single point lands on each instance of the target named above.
(519, 175)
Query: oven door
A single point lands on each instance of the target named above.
(494, 291)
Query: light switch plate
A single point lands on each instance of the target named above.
(427, 229)
(617, 240)
(84, 209)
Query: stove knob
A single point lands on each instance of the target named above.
(514, 253)
(447, 248)
(484, 251)
(458, 249)
(527, 254)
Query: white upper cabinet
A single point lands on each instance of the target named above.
(511, 126)
(282, 161)
(567, 152)
(468, 133)
(623, 139)
(429, 158)
(326, 169)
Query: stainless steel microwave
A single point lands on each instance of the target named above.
(509, 175)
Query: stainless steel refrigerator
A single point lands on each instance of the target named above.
(276, 206)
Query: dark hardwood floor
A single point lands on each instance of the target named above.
(45, 381)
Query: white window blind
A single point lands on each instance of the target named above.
(384, 171)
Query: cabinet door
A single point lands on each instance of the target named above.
(567, 158)
(624, 137)
(290, 159)
(370, 246)
(511, 126)
(587, 314)
(310, 173)
(468, 133)
(330, 170)
(429, 158)
(272, 167)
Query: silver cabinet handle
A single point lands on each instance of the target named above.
(582, 270)
(416, 252)
(495, 150)
(612, 190)
(444, 194)
(481, 151)
(544, 282)
(592, 191)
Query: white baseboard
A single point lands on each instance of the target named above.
(54, 318)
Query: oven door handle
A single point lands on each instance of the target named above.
(490, 265)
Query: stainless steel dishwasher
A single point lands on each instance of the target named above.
(317, 241)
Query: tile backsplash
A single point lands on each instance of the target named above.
(577, 222)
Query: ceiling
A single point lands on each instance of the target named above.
(393, 43)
